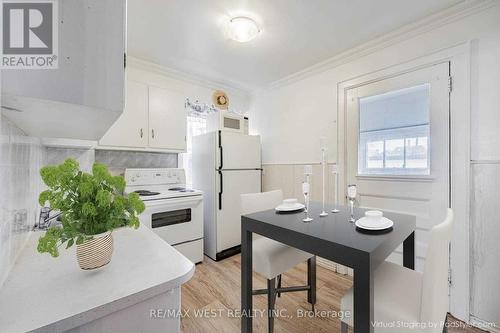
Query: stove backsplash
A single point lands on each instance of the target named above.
(118, 161)
(85, 157)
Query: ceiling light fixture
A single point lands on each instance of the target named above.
(242, 29)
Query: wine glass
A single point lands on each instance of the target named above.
(352, 192)
(306, 190)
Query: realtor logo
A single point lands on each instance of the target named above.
(29, 37)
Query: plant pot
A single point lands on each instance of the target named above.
(96, 252)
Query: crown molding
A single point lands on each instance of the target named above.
(431, 22)
(192, 78)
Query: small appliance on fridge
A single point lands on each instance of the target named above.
(225, 165)
(228, 122)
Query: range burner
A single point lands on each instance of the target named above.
(180, 189)
(146, 193)
(176, 188)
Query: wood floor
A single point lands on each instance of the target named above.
(212, 299)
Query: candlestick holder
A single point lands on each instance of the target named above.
(323, 166)
(336, 188)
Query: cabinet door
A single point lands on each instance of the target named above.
(167, 119)
(130, 129)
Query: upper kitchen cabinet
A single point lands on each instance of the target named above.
(154, 119)
(131, 129)
(167, 119)
(84, 96)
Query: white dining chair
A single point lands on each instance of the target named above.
(272, 258)
(403, 295)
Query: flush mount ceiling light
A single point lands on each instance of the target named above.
(242, 29)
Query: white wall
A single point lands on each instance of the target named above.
(292, 117)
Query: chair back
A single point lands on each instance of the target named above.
(435, 301)
(256, 202)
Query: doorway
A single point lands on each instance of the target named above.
(397, 148)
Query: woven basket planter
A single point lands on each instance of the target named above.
(96, 252)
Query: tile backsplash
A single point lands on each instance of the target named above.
(20, 160)
(85, 157)
(117, 161)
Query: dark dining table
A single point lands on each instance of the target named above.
(334, 238)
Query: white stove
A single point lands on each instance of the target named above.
(173, 210)
(154, 184)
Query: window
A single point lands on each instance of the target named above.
(394, 133)
(196, 125)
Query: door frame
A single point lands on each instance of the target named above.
(459, 58)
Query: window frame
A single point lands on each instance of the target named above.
(384, 134)
(186, 159)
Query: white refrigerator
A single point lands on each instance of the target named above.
(225, 165)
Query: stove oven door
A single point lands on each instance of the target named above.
(176, 220)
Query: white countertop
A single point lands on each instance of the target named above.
(48, 294)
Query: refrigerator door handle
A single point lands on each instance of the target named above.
(220, 190)
(221, 150)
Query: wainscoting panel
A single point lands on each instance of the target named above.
(289, 178)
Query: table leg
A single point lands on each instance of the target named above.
(246, 280)
(409, 251)
(363, 299)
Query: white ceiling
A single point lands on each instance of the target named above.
(187, 35)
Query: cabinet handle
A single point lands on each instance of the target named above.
(141, 133)
(153, 133)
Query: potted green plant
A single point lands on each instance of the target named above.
(91, 206)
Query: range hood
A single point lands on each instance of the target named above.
(85, 94)
(53, 119)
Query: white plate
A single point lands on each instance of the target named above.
(374, 223)
(361, 223)
(287, 208)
